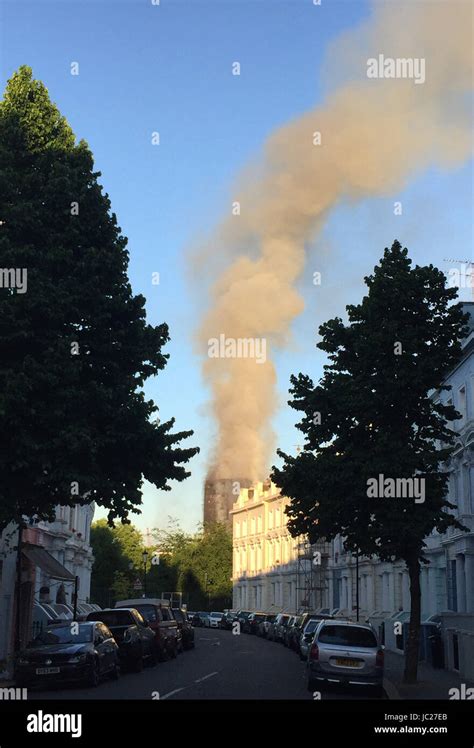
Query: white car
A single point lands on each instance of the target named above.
(215, 620)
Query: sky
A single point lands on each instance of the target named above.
(167, 68)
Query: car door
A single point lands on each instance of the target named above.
(99, 646)
(145, 633)
(110, 650)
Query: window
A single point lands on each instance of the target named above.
(259, 523)
(270, 519)
(237, 529)
(347, 636)
(462, 402)
(253, 525)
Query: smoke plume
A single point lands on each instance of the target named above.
(376, 134)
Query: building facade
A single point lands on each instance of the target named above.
(53, 555)
(272, 571)
(447, 581)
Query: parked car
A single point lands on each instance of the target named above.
(347, 653)
(241, 616)
(184, 627)
(58, 654)
(135, 638)
(276, 629)
(252, 623)
(264, 626)
(157, 613)
(307, 633)
(215, 619)
(286, 634)
(228, 619)
(293, 633)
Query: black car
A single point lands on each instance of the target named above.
(135, 639)
(252, 623)
(68, 652)
(228, 620)
(185, 627)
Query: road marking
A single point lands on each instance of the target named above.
(171, 693)
(199, 680)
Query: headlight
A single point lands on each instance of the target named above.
(78, 658)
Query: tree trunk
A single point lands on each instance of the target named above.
(413, 642)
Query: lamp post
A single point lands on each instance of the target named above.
(145, 559)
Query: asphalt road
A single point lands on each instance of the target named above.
(221, 666)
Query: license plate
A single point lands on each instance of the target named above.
(347, 663)
(47, 670)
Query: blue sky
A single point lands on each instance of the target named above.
(167, 68)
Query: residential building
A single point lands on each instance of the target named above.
(272, 571)
(53, 555)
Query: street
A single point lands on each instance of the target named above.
(221, 666)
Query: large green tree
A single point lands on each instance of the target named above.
(373, 414)
(75, 348)
(202, 562)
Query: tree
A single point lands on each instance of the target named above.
(202, 562)
(373, 414)
(75, 348)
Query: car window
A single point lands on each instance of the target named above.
(114, 617)
(178, 615)
(166, 614)
(149, 612)
(347, 636)
(63, 635)
(311, 625)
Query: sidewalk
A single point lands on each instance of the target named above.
(432, 683)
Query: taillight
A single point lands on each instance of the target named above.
(314, 652)
(379, 658)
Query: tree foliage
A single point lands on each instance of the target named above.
(373, 413)
(75, 349)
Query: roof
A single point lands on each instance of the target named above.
(132, 602)
(39, 556)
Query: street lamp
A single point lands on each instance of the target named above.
(145, 559)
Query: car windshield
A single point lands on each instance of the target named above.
(216, 615)
(114, 617)
(311, 625)
(63, 635)
(149, 612)
(347, 636)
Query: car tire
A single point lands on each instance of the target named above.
(378, 692)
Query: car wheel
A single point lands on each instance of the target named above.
(378, 692)
(93, 677)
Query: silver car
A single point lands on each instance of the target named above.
(345, 652)
(307, 636)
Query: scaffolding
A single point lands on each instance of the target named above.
(311, 582)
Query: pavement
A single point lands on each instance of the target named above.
(432, 683)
